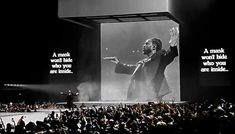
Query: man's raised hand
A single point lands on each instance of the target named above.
(174, 33)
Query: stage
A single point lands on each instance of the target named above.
(28, 116)
(116, 103)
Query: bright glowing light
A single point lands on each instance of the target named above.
(15, 85)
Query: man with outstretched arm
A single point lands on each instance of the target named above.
(148, 74)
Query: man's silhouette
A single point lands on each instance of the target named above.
(69, 98)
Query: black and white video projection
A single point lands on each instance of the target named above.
(124, 40)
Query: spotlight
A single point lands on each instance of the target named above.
(14, 85)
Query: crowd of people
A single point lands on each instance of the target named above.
(215, 117)
(23, 107)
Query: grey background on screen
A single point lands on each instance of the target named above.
(125, 40)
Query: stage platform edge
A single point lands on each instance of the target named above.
(116, 103)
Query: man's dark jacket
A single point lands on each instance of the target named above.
(148, 74)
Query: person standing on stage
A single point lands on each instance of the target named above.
(69, 98)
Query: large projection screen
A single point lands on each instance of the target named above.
(124, 40)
